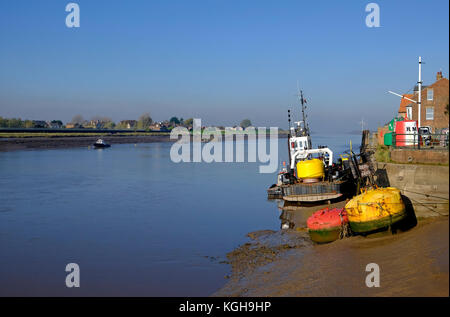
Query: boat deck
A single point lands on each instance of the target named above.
(311, 192)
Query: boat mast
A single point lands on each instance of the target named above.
(305, 124)
(289, 137)
(302, 102)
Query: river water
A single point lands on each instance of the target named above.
(136, 223)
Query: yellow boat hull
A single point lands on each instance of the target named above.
(375, 209)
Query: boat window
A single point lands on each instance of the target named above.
(300, 144)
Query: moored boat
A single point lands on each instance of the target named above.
(101, 144)
(327, 225)
(375, 209)
(310, 175)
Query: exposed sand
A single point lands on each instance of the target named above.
(287, 263)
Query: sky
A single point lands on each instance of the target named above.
(221, 61)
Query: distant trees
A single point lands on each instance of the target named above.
(28, 124)
(144, 121)
(245, 123)
(101, 119)
(174, 120)
(78, 119)
(11, 123)
(188, 123)
(109, 125)
(101, 122)
(58, 122)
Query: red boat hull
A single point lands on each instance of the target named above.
(326, 224)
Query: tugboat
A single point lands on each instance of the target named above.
(311, 175)
(100, 144)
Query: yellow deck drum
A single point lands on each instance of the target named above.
(375, 209)
(310, 169)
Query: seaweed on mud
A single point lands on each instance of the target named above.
(266, 246)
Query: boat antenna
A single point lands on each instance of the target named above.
(302, 102)
(289, 136)
(289, 119)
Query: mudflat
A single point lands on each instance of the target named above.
(15, 144)
(287, 263)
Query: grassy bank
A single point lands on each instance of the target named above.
(382, 154)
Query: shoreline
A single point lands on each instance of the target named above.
(287, 263)
(63, 142)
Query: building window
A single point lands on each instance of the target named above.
(430, 94)
(430, 113)
(409, 112)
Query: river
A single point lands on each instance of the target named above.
(136, 223)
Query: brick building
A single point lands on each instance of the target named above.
(434, 109)
(403, 104)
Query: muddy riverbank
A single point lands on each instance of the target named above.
(16, 144)
(287, 263)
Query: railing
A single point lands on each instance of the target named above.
(435, 141)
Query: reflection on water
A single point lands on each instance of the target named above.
(294, 215)
(136, 223)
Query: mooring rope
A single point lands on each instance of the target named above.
(345, 228)
(426, 195)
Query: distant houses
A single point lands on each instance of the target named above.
(128, 124)
(73, 126)
(434, 108)
(143, 124)
(94, 124)
(159, 126)
(55, 124)
(39, 124)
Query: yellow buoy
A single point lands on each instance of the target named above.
(375, 209)
(310, 169)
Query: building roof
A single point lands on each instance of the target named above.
(404, 102)
(439, 81)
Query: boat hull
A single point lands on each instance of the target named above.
(373, 225)
(101, 146)
(325, 235)
(375, 209)
(274, 192)
(326, 225)
(316, 192)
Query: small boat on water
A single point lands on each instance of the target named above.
(327, 225)
(100, 144)
(375, 209)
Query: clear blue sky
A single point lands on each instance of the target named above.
(221, 61)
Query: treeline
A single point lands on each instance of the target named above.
(144, 122)
(19, 123)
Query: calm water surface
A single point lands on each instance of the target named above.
(136, 223)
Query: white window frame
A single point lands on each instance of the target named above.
(430, 94)
(409, 112)
(429, 116)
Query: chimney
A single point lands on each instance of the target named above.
(439, 75)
